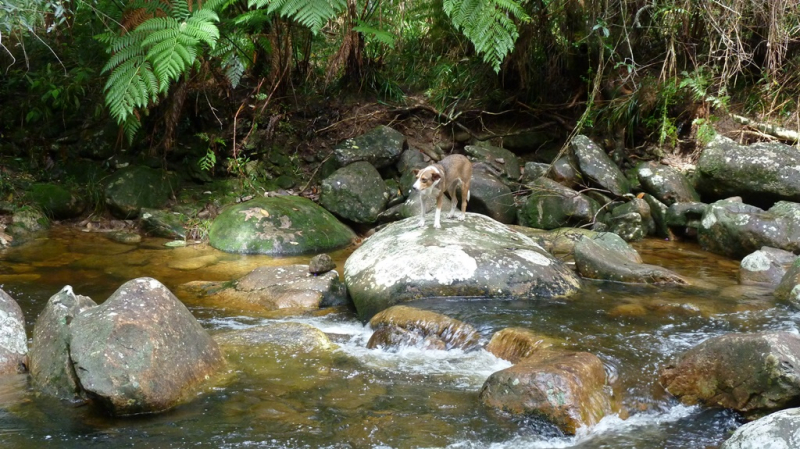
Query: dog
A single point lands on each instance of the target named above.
(451, 172)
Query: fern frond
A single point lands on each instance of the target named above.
(381, 36)
(313, 14)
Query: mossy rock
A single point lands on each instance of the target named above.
(56, 201)
(278, 226)
(132, 188)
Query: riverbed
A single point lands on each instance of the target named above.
(414, 398)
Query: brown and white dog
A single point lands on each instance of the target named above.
(451, 172)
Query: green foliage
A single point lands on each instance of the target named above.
(209, 160)
(488, 24)
(705, 130)
(146, 60)
(699, 84)
(310, 13)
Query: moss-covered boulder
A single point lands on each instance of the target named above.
(163, 223)
(130, 189)
(750, 373)
(666, 184)
(761, 173)
(381, 147)
(552, 205)
(278, 226)
(56, 201)
(13, 340)
(597, 167)
(355, 192)
(475, 257)
(26, 222)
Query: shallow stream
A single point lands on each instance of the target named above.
(360, 398)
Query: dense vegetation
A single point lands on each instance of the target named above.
(640, 73)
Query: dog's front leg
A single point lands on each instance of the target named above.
(436, 223)
(422, 198)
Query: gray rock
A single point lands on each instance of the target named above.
(502, 161)
(666, 184)
(141, 351)
(412, 208)
(608, 257)
(735, 229)
(355, 192)
(684, 218)
(162, 223)
(49, 359)
(475, 257)
(290, 337)
(26, 223)
(321, 263)
(380, 146)
(750, 373)
(131, 188)
(789, 287)
(658, 212)
(779, 430)
(551, 205)
(533, 171)
(490, 196)
(597, 167)
(631, 221)
(13, 340)
(760, 173)
(409, 160)
(765, 266)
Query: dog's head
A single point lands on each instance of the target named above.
(426, 178)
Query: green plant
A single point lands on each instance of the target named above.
(209, 160)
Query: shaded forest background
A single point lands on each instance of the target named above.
(198, 81)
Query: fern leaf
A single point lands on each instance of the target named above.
(311, 13)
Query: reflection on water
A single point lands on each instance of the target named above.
(358, 398)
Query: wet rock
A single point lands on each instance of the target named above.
(566, 389)
(49, 360)
(489, 196)
(779, 430)
(551, 205)
(684, 218)
(632, 220)
(131, 188)
(127, 237)
(412, 208)
(562, 241)
(141, 351)
(534, 171)
(13, 340)
(409, 160)
(658, 212)
(597, 167)
(761, 173)
(750, 373)
(608, 257)
(26, 222)
(291, 337)
(355, 192)
(162, 223)
(273, 288)
(56, 201)
(765, 266)
(666, 184)
(475, 257)
(321, 263)
(735, 229)
(515, 344)
(380, 146)
(400, 326)
(501, 161)
(278, 226)
(789, 287)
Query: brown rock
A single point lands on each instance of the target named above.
(424, 326)
(514, 344)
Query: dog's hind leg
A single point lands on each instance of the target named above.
(464, 199)
(453, 202)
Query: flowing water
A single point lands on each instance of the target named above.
(414, 398)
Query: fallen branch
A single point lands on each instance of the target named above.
(777, 131)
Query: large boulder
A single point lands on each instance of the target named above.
(779, 430)
(551, 205)
(750, 373)
(272, 288)
(27, 222)
(162, 223)
(666, 184)
(141, 351)
(734, 229)
(130, 189)
(490, 196)
(400, 326)
(761, 173)
(607, 257)
(380, 146)
(13, 341)
(597, 167)
(49, 360)
(765, 266)
(475, 257)
(355, 192)
(278, 226)
(566, 389)
(56, 201)
(501, 161)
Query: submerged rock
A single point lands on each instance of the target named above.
(779, 430)
(321, 263)
(355, 192)
(381, 147)
(750, 373)
(400, 326)
(291, 337)
(595, 164)
(13, 340)
(272, 288)
(765, 266)
(566, 389)
(607, 257)
(515, 343)
(49, 360)
(278, 226)
(141, 351)
(475, 257)
(135, 187)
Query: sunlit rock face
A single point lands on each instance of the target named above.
(780, 430)
(402, 326)
(478, 257)
(13, 341)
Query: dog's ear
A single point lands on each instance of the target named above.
(415, 171)
(435, 175)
